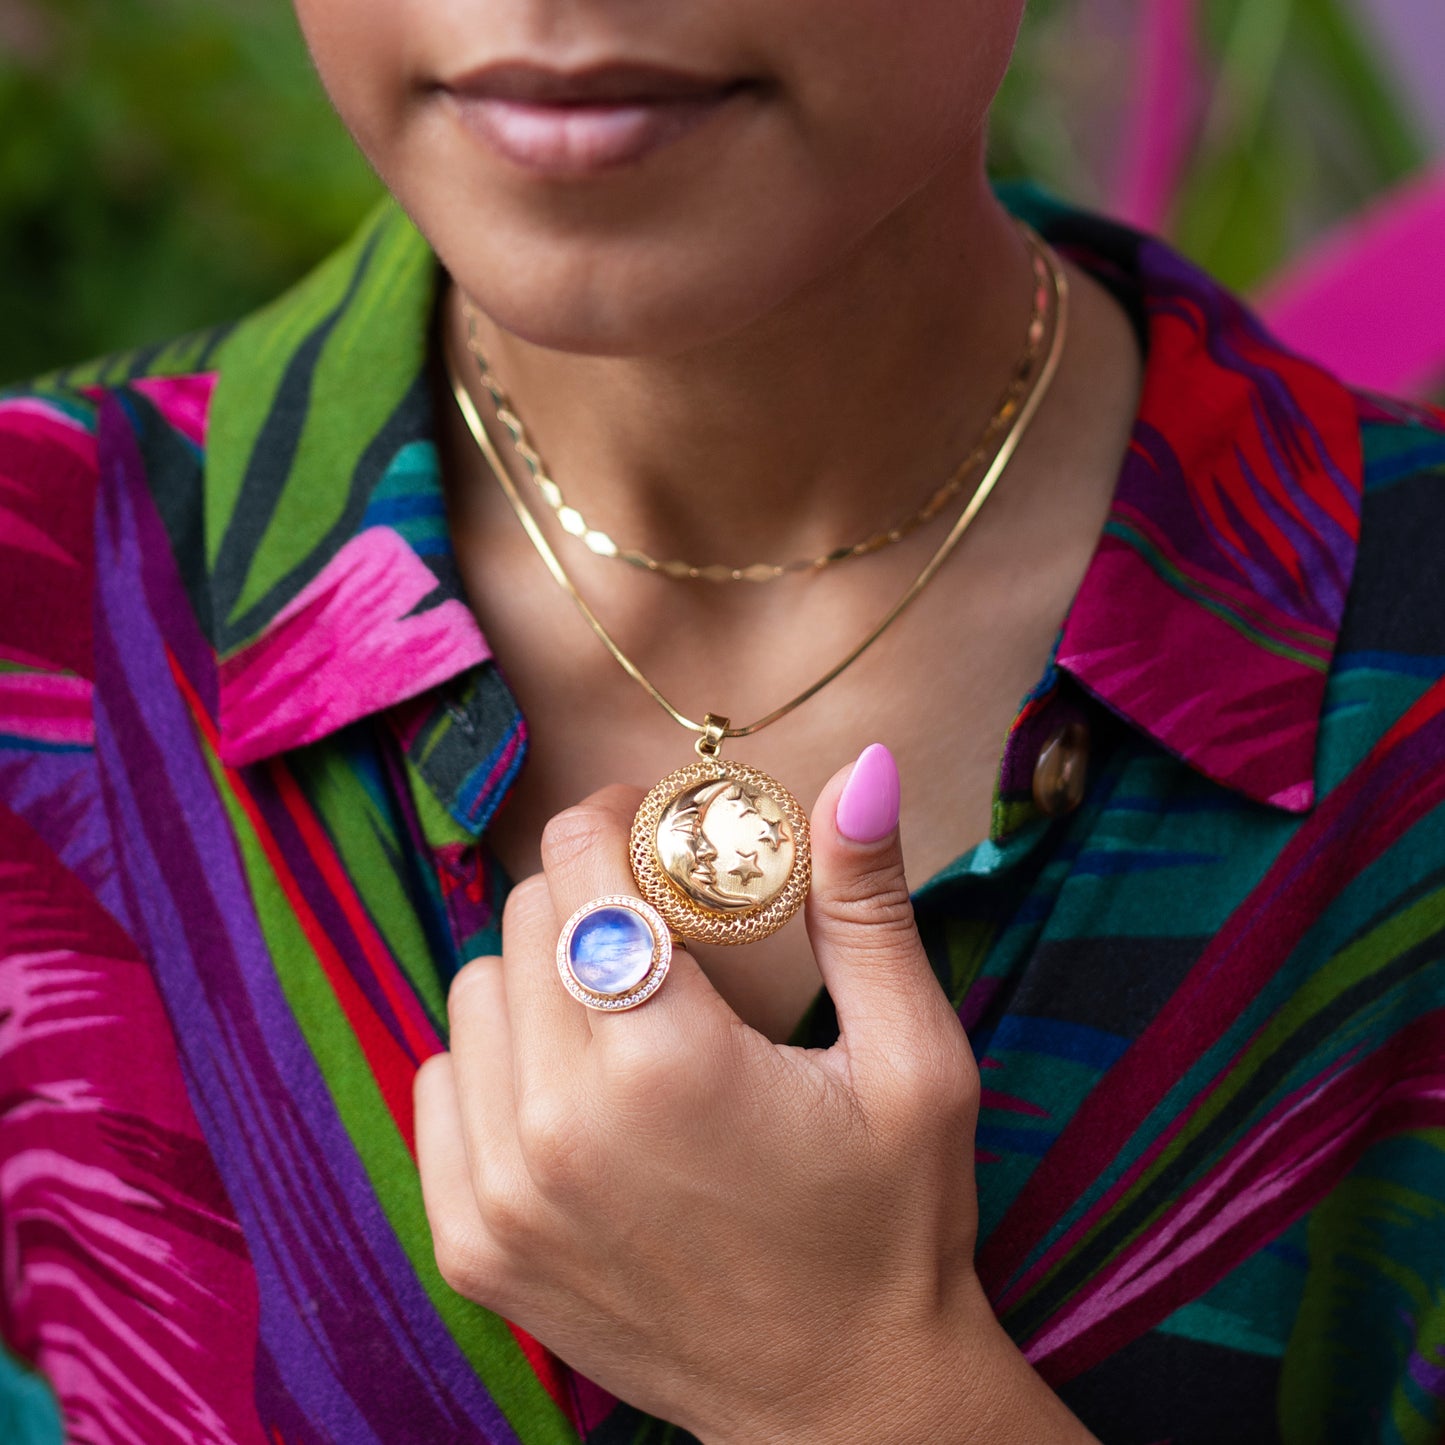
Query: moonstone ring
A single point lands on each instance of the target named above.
(613, 952)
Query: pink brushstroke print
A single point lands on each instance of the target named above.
(333, 654)
(46, 708)
(184, 401)
(128, 1282)
(48, 471)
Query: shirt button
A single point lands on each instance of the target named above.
(1062, 770)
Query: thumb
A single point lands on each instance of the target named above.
(859, 915)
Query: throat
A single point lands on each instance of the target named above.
(780, 443)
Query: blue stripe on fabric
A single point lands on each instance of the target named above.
(1034, 1142)
(1382, 470)
(1400, 663)
(388, 511)
(17, 742)
(1054, 1039)
(1289, 1253)
(409, 500)
(1218, 801)
(1107, 863)
(129, 403)
(480, 793)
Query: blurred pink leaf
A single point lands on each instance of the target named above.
(1368, 300)
(1160, 120)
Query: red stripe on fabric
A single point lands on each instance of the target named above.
(1260, 932)
(1242, 600)
(551, 1373)
(1426, 709)
(1231, 482)
(1398, 1088)
(1250, 725)
(1221, 403)
(420, 1037)
(390, 1067)
(1338, 439)
(1192, 418)
(1319, 446)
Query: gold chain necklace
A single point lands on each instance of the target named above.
(576, 525)
(720, 848)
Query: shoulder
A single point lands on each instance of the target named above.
(48, 473)
(1394, 603)
(1381, 737)
(1393, 628)
(52, 450)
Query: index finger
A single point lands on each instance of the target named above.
(585, 852)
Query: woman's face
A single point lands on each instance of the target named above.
(594, 208)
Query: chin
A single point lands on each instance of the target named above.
(646, 322)
(602, 301)
(657, 279)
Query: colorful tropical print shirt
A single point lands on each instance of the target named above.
(251, 738)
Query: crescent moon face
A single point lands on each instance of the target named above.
(726, 845)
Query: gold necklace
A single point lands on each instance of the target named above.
(717, 812)
(576, 525)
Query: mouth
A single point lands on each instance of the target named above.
(575, 123)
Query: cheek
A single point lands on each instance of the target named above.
(363, 56)
(896, 88)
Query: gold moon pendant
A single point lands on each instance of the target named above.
(721, 851)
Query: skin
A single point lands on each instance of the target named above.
(757, 1242)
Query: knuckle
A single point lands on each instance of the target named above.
(476, 976)
(935, 1081)
(944, 1077)
(638, 1075)
(527, 901)
(877, 898)
(551, 1139)
(421, 1081)
(507, 1211)
(575, 833)
(959, 1082)
(465, 1263)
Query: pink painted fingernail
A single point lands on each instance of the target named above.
(868, 804)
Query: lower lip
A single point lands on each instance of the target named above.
(580, 140)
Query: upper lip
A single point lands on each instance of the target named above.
(613, 82)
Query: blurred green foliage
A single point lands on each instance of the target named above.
(1302, 129)
(166, 163)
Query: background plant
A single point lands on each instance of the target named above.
(166, 163)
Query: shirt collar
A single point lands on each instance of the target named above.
(1209, 613)
(1207, 617)
(332, 591)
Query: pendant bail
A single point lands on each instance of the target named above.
(714, 730)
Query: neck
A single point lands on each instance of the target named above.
(794, 422)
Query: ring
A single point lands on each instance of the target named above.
(613, 952)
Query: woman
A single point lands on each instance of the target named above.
(277, 647)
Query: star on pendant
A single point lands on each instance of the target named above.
(772, 833)
(747, 868)
(747, 796)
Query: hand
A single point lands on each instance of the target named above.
(756, 1242)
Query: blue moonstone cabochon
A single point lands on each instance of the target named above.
(610, 950)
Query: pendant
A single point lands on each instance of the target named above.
(721, 849)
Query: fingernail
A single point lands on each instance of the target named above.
(868, 805)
